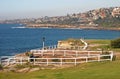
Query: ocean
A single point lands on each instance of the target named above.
(14, 38)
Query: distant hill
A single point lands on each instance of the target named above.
(93, 19)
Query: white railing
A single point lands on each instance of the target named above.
(46, 48)
(71, 47)
(65, 52)
(61, 61)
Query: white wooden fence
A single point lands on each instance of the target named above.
(47, 47)
(76, 53)
(63, 47)
(4, 60)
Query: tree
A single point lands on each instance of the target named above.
(115, 43)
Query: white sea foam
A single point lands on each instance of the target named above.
(21, 27)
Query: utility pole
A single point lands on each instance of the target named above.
(43, 39)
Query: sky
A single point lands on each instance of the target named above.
(15, 9)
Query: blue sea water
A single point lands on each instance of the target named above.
(16, 39)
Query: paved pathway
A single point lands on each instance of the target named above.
(86, 45)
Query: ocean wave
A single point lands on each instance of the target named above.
(18, 27)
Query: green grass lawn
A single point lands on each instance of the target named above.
(104, 44)
(96, 70)
(98, 41)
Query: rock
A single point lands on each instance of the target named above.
(34, 69)
(12, 69)
(23, 70)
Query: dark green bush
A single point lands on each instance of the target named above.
(114, 57)
(115, 43)
(1, 67)
(55, 60)
(19, 66)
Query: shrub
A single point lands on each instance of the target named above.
(115, 43)
(114, 57)
(19, 66)
(55, 60)
(1, 67)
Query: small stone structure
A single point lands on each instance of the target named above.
(71, 44)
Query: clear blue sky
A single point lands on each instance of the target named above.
(10, 9)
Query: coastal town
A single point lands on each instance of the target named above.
(102, 18)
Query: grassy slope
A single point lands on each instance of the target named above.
(97, 70)
(104, 47)
(98, 41)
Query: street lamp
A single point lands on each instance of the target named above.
(43, 39)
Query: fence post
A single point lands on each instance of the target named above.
(88, 53)
(8, 62)
(111, 56)
(52, 47)
(42, 52)
(53, 52)
(34, 61)
(75, 61)
(86, 59)
(14, 60)
(98, 57)
(64, 53)
(47, 61)
(76, 53)
(28, 59)
(21, 60)
(61, 62)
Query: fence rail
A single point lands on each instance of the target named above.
(66, 52)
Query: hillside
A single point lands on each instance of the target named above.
(102, 18)
(109, 22)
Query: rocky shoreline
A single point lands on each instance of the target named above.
(70, 27)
